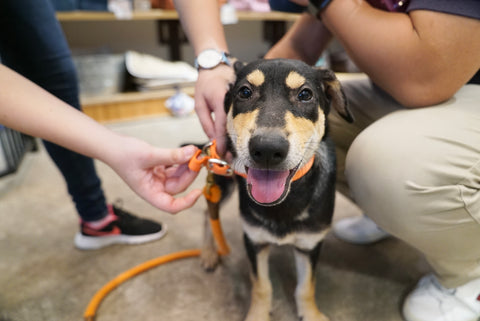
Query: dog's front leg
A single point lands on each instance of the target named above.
(261, 294)
(305, 292)
(209, 257)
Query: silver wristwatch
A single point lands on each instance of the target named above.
(210, 58)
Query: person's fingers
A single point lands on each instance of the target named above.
(221, 145)
(164, 156)
(173, 205)
(175, 171)
(205, 116)
(177, 184)
(160, 172)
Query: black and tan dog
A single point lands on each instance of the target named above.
(277, 129)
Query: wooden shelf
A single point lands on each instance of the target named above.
(129, 106)
(169, 28)
(159, 14)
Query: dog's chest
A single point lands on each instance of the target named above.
(301, 239)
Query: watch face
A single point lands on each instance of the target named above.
(209, 58)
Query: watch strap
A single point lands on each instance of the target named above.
(316, 6)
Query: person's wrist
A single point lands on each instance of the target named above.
(222, 71)
(211, 58)
(118, 145)
(315, 7)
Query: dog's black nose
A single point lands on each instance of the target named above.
(268, 150)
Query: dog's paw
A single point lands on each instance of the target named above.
(209, 259)
(258, 314)
(314, 315)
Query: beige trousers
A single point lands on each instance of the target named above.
(416, 173)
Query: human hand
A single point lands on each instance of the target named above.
(156, 174)
(210, 90)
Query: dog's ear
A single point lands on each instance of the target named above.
(238, 65)
(335, 94)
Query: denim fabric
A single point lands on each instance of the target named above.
(90, 5)
(33, 44)
(65, 5)
(286, 6)
(93, 5)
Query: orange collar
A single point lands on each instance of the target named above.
(209, 158)
(299, 174)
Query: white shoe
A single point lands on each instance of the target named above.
(359, 230)
(430, 301)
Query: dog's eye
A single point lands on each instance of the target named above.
(245, 92)
(305, 95)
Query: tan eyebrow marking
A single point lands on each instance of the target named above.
(256, 77)
(294, 80)
(304, 130)
(241, 126)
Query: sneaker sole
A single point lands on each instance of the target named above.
(83, 242)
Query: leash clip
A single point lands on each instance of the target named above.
(208, 157)
(207, 148)
(219, 167)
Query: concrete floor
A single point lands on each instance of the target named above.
(43, 277)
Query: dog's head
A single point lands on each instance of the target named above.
(276, 120)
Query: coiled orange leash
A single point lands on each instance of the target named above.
(90, 311)
(206, 157)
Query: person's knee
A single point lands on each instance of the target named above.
(399, 180)
(377, 169)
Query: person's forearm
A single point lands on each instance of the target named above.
(420, 58)
(305, 41)
(151, 172)
(201, 22)
(29, 109)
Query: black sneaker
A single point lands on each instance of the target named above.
(121, 228)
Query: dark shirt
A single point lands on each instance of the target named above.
(466, 8)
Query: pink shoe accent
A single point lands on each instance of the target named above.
(100, 224)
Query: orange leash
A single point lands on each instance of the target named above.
(212, 193)
(208, 157)
(90, 311)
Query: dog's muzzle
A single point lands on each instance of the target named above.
(267, 181)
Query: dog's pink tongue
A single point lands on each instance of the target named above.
(266, 186)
